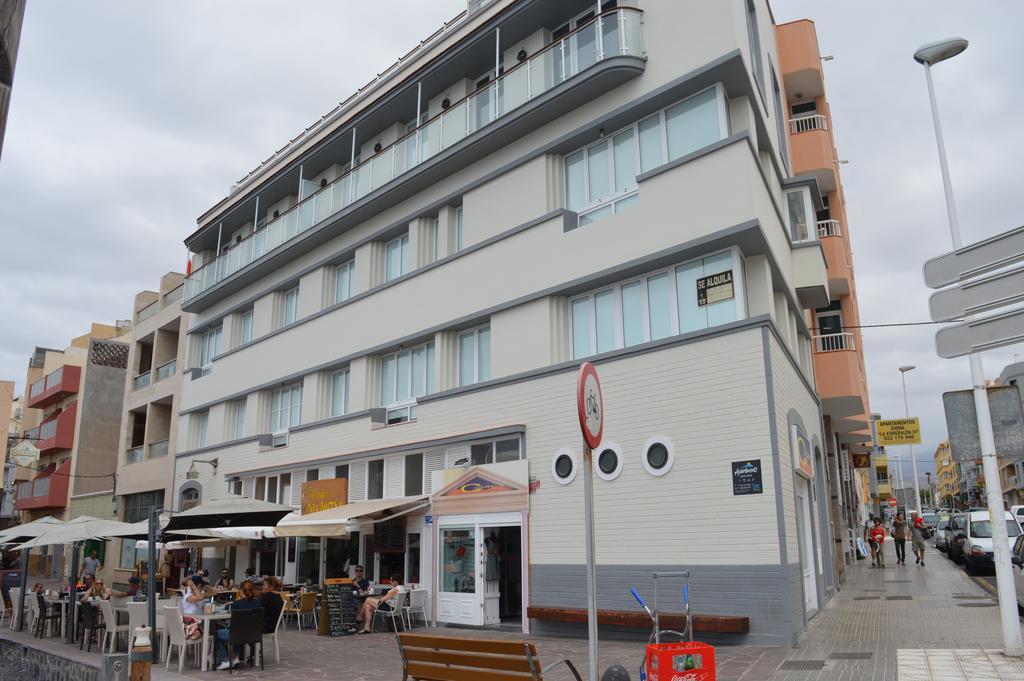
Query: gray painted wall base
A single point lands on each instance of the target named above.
(754, 591)
(21, 662)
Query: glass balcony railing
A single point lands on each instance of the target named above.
(137, 454)
(148, 311)
(166, 370)
(613, 33)
(141, 381)
(157, 449)
(48, 429)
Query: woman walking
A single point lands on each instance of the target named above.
(877, 535)
(899, 537)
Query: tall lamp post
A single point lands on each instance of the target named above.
(929, 55)
(906, 412)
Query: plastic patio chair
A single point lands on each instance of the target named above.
(417, 603)
(175, 627)
(396, 611)
(277, 628)
(110, 626)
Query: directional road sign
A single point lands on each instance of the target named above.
(976, 259)
(977, 335)
(980, 295)
(1007, 422)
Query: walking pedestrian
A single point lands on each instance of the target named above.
(877, 534)
(919, 532)
(899, 538)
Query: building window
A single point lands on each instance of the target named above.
(290, 309)
(458, 229)
(189, 498)
(413, 475)
(285, 407)
(780, 123)
(339, 393)
(800, 212)
(404, 376)
(200, 419)
(341, 471)
(436, 233)
(755, 43)
(246, 330)
(375, 479)
(237, 419)
(695, 295)
(343, 275)
(600, 179)
(209, 347)
(495, 451)
(829, 320)
(397, 257)
(312, 474)
(137, 508)
(475, 356)
(267, 488)
(235, 487)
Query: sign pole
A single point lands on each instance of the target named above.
(590, 409)
(588, 494)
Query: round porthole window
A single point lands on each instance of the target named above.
(658, 455)
(563, 466)
(608, 460)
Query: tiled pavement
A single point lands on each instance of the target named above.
(945, 610)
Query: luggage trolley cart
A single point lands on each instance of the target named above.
(686, 660)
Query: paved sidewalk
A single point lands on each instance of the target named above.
(884, 610)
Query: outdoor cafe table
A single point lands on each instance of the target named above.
(207, 618)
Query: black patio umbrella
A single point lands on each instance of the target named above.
(230, 512)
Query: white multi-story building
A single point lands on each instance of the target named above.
(402, 295)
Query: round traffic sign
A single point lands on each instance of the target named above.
(590, 405)
(893, 502)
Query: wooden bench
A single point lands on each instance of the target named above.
(719, 624)
(427, 657)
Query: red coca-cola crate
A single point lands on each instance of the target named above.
(683, 661)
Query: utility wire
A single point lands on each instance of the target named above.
(884, 326)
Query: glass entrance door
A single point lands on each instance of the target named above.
(803, 525)
(457, 598)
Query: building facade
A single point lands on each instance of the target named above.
(820, 218)
(149, 418)
(12, 13)
(402, 296)
(947, 480)
(75, 397)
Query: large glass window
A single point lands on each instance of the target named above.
(800, 212)
(458, 555)
(246, 324)
(209, 347)
(343, 276)
(200, 420)
(495, 451)
(291, 306)
(339, 393)
(600, 179)
(695, 295)
(285, 407)
(404, 376)
(458, 228)
(475, 356)
(137, 508)
(397, 257)
(755, 42)
(237, 419)
(375, 479)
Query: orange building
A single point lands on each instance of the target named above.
(816, 210)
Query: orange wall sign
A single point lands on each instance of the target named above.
(320, 495)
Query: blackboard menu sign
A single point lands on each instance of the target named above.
(746, 477)
(341, 608)
(389, 536)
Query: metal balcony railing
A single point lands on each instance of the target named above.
(833, 342)
(828, 228)
(808, 123)
(611, 34)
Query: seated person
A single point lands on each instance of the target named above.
(193, 595)
(250, 574)
(134, 586)
(225, 581)
(272, 604)
(382, 604)
(361, 583)
(96, 590)
(246, 600)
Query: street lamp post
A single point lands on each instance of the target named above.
(929, 55)
(906, 412)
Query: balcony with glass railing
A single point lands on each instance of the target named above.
(158, 449)
(612, 34)
(141, 381)
(48, 490)
(55, 433)
(136, 454)
(54, 387)
(166, 370)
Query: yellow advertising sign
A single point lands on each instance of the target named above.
(321, 495)
(899, 432)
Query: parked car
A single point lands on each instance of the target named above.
(954, 531)
(940, 538)
(1018, 513)
(977, 540)
(1017, 558)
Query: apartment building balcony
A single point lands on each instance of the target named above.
(153, 450)
(49, 489)
(812, 150)
(56, 433)
(358, 174)
(839, 375)
(800, 59)
(54, 387)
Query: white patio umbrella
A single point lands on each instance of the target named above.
(28, 530)
(77, 530)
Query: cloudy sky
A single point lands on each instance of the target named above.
(130, 119)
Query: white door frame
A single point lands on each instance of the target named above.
(804, 518)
